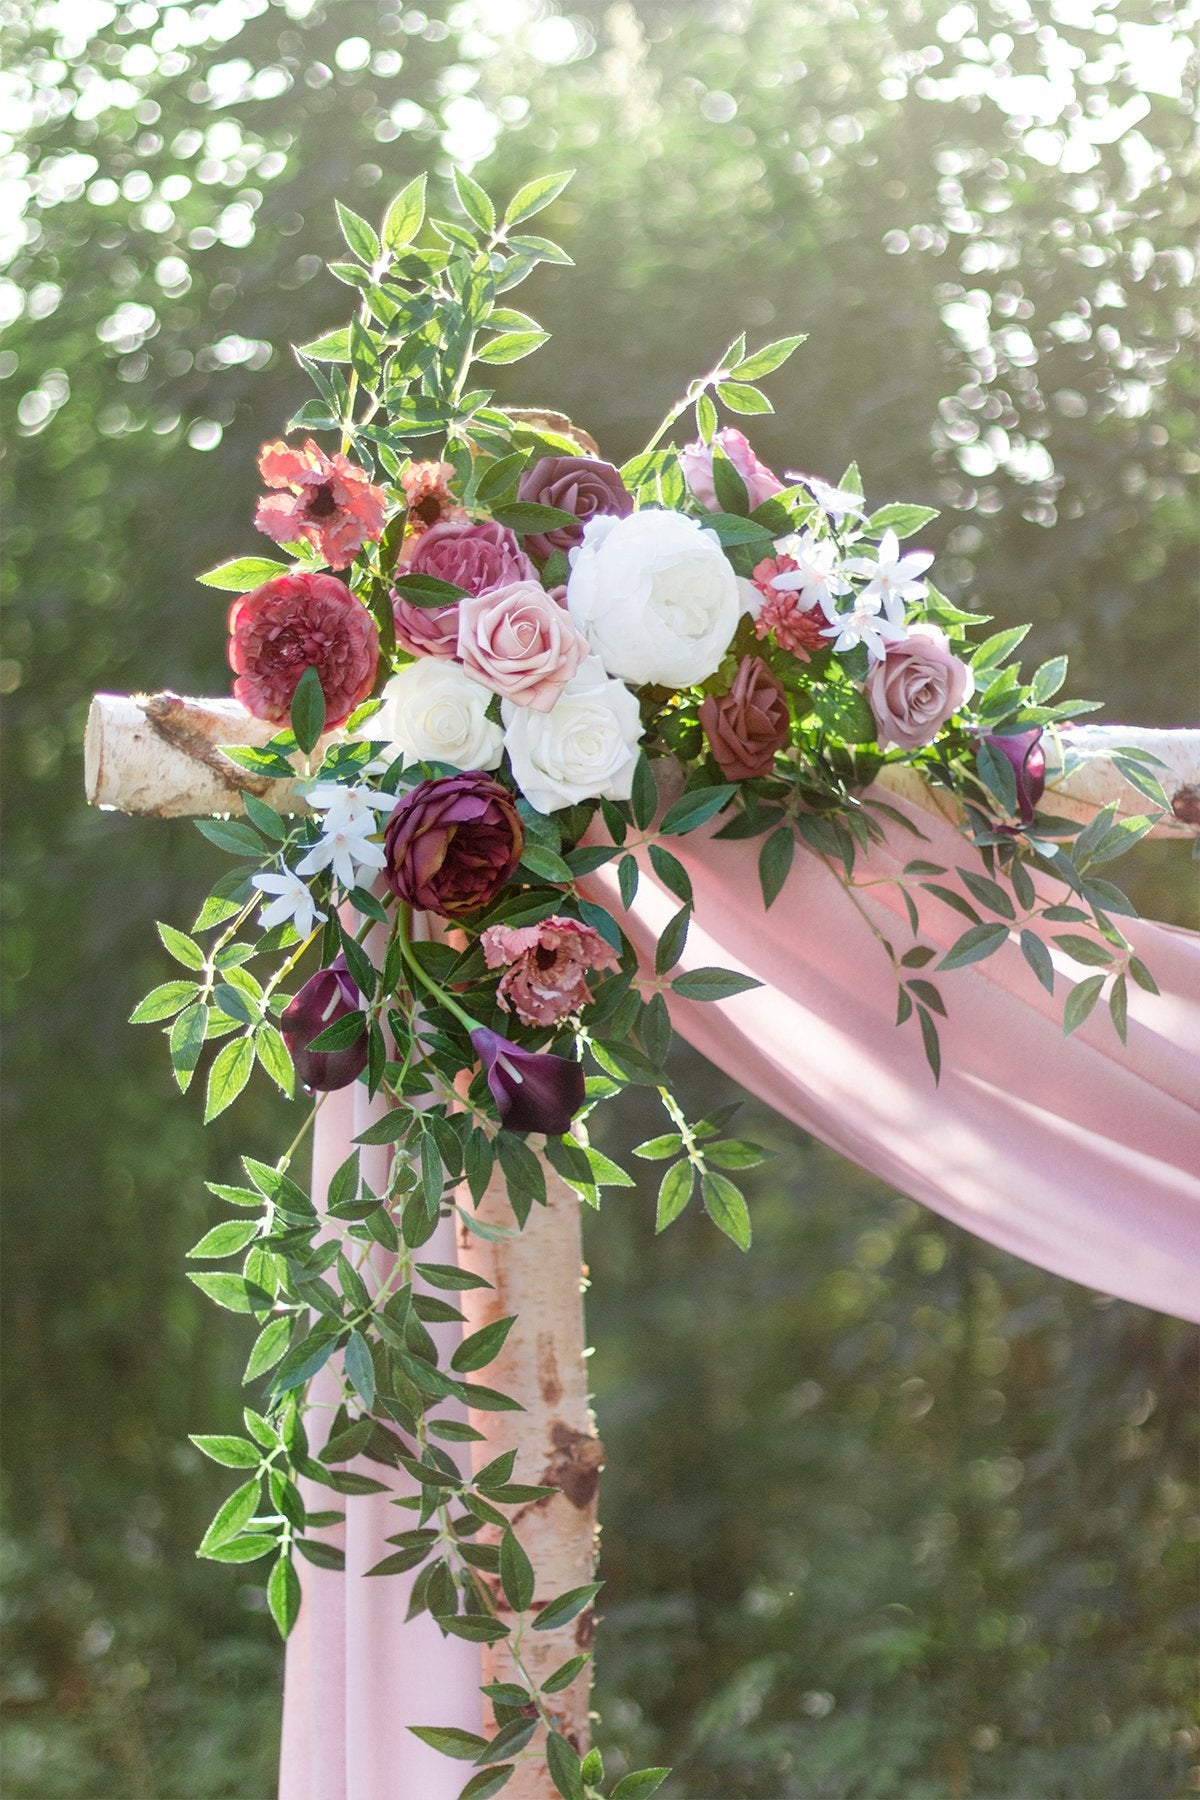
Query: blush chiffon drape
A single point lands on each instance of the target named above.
(1080, 1155)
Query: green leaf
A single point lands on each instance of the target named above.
(334, 346)
(465, 1745)
(1142, 975)
(230, 1452)
(360, 1370)
(487, 1782)
(1038, 957)
(516, 1573)
(308, 709)
(322, 1556)
(565, 1674)
(929, 1038)
(273, 1054)
(228, 1076)
(1084, 950)
(231, 1516)
(540, 249)
(644, 798)
(444, 1275)
(639, 1784)
(733, 1153)
(233, 1292)
(231, 835)
(565, 1607)
(768, 359)
(694, 809)
(564, 1766)
(1080, 1002)
(535, 195)
(269, 1346)
(226, 1239)
(903, 520)
(514, 1737)
(242, 1549)
(740, 398)
(243, 573)
(511, 346)
(362, 240)
(283, 1595)
(671, 944)
(405, 215)
(341, 1034)
(482, 1347)
(659, 1148)
(993, 650)
(545, 864)
(162, 1002)
(712, 984)
(527, 515)
(775, 862)
(675, 1190)
(181, 947)
(996, 773)
(476, 1628)
(1047, 679)
(974, 945)
(671, 873)
(726, 1207)
(475, 203)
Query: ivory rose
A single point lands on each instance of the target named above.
(916, 687)
(584, 749)
(696, 460)
(433, 712)
(655, 596)
(519, 642)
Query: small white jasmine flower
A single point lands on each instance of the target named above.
(892, 579)
(347, 852)
(294, 904)
(815, 579)
(837, 502)
(865, 624)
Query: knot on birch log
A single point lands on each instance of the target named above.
(575, 1463)
(1185, 804)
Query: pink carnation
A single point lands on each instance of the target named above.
(297, 622)
(331, 503)
(794, 628)
(519, 642)
(427, 492)
(696, 460)
(547, 965)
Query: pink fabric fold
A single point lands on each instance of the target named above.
(1079, 1154)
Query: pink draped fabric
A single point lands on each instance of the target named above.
(1078, 1154)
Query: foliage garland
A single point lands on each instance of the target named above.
(794, 652)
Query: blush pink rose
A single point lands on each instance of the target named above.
(518, 641)
(696, 460)
(916, 688)
(472, 557)
(548, 963)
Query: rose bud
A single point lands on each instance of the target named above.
(297, 622)
(327, 996)
(452, 843)
(533, 1090)
(746, 726)
(1023, 750)
(582, 485)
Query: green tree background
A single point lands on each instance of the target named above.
(887, 1513)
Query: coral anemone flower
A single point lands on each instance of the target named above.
(330, 502)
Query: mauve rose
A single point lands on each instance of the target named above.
(1023, 749)
(746, 726)
(519, 642)
(452, 843)
(533, 1090)
(916, 687)
(472, 557)
(425, 630)
(327, 996)
(582, 485)
(696, 461)
(297, 622)
(546, 966)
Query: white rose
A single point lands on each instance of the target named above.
(433, 712)
(655, 596)
(584, 749)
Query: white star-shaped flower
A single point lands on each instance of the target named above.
(865, 624)
(837, 502)
(893, 578)
(293, 904)
(347, 829)
(815, 579)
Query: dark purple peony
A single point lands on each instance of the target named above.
(533, 1090)
(327, 996)
(1023, 750)
(452, 843)
(582, 485)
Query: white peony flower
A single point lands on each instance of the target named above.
(584, 749)
(433, 712)
(655, 596)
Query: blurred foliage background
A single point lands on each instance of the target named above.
(887, 1512)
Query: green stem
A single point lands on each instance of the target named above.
(403, 933)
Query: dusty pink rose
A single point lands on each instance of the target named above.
(473, 557)
(696, 461)
(796, 629)
(519, 642)
(583, 485)
(425, 630)
(746, 726)
(916, 687)
(331, 503)
(547, 966)
(297, 622)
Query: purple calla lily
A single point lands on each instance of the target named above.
(1023, 750)
(533, 1090)
(327, 996)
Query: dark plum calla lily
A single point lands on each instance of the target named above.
(1023, 750)
(327, 996)
(533, 1090)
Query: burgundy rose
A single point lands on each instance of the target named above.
(327, 996)
(916, 687)
(452, 843)
(582, 485)
(533, 1090)
(1023, 750)
(746, 726)
(298, 622)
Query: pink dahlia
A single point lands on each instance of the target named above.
(297, 622)
(330, 503)
(795, 629)
(547, 965)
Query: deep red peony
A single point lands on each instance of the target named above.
(293, 623)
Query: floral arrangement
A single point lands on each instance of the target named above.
(499, 662)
